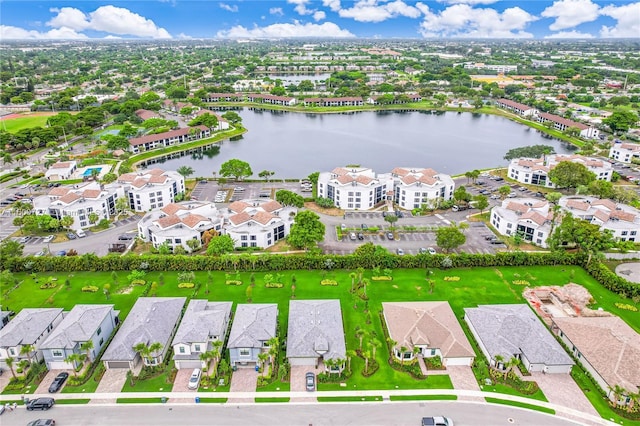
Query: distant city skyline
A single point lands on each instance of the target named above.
(177, 19)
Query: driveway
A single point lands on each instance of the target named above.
(298, 382)
(243, 380)
(43, 388)
(561, 389)
(462, 378)
(112, 382)
(181, 382)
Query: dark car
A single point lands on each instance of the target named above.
(58, 382)
(42, 422)
(310, 381)
(71, 236)
(125, 237)
(364, 226)
(360, 236)
(40, 404)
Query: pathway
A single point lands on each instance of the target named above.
(462, 378)
(111, 383)
(243, 380)
(298, 382)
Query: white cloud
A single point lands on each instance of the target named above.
(319, 15)
(628, 24)
(462, 20)
(8, 32)
(569, 34)
(301, 7)
(468, 1)
(109, 19)
(296, 29)
(376, 11)
(69, 17)
(334, 5)
(183, 36)
(276, 11)
(228, 7)
(570, 13)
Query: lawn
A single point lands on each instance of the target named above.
(475, 286)
(26, 121)
(521, 405)
(73, 401)
(89, 387)
(213, 400)
(349, 398)
(276, 386)
(283, 399)
(157, 400)
(499, 388)
(154, 384)
(423, 397)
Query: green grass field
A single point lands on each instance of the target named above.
(283, 399)
(349, 398)
(423, 397)
(14, 125)
(154, 384)
(521, 405)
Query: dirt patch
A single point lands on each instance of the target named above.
(333, 211)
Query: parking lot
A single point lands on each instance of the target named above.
(213, 191)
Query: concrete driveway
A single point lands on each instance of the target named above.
(298, 382)
(243, 380)
(181, 382)
(561, 389)
(462, 378)
(112, 382)
(46, 382)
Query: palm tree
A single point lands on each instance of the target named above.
(217, 352)
(142, 349)
(154, 349)
(513, 362)
(392, 344)
(87, 346)
(185, 171)
(74, 359)
(498, 359)
(360, 334)
(403, 349)
(9, 361)
(618, 392)
(350, 354)
(263, 357)
(374, 344)
(206, 357)
(27, 350)
(273, 350)
(353, 277)
(366, 355)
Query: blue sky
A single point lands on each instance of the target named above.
(73, 19)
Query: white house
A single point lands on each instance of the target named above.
(535, 171)
(562, 124)
(203, 323)
(516, 107)
(354, 188)
(79, 202)
(621, 220)
(172, 137)
(416, 187)
(258, 222)
(624, 152)
(531, 217)
(31, 326)
(151, 189)
(61, 170)
(177, 223)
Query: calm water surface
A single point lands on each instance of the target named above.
(296, 144)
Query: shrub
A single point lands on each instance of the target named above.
(186, 285)
(90, 289)
(521, 282)
(624, 306)
(138, 282)
(452, 278)
(381, 278)
(274, 285)
(48, 285)
(329, 282)
(233, 282)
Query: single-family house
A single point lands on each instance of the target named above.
(514, 331)
(61, 170)
(625, 152)
(316, 334)
(607, 347)
(431, 327)
(253, 326)
(151, 320)
(31, 326)
(80, 325)
(203, 324)
(516, 107)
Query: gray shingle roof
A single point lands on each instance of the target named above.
(78, 325)
(252, 325)
(27, 326)
(151, 320)
(315, 328)
(508, 330)
(201, 320)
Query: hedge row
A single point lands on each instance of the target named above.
(611, 281)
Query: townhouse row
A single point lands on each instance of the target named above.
(317, 101)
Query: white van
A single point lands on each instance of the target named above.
(194, 380)
(80, 233)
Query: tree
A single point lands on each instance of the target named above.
(461, 194)
(263, 357)
(87, 346)
(206, 357)
(27, 350)
(360, 335)
(350, 354)
(586, 236)
(66, 221)
(109, 177)
(568, 174)
(273, 350)
(374, 344)
(289, 198)
(220, 245)
(10, 248)
(482, 202)
(9, 361)
(449, 237)
(266, 174)
(532, 151)
(306, 231)
(185, 171)
(621, 120)
(232, 117)
(235, 168)
(93, 217)
(194, 244)
(75, 359)
(148, 352)
(391, 219)
(504, 191)
(601, 189)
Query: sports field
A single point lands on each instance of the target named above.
(16, 122)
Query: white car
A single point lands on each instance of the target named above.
(194, 380)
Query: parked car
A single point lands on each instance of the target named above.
(125, 237)
(61, 253)
(399, 252)
(310, 381)
(437, 421)
(71, 236)
(40, 404)
(360, 236)
(364, 226)
(58, 382)
(23, 240)
(194, 380)
(431, 250)
(81, 233)
(352, 236)
(42, 422)
(390, 235)
(48, 238)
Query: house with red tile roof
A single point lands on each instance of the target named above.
(624, 152)
(62, 170)
(529, 217)
(621, 220)
(164, 139)
(415, 187)
(354, 188)
(151, 189)
(258, 222)
(535, 171)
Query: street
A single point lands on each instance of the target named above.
(342, 414)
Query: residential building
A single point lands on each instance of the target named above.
(334, 102)
(607, 348)
(222, 123)
(271, 99)
(431, 327)
(83, 323)
(151, 320)
(203, 323)
(31, 326)
(414, 188)
(621, 220)
(517, 108)
(80, 202)
(562, 124)
(224, 97)
(145, 114)
(172, 137)
(625, 152)
(402, 98)
(176, 223)
(62, 170)
(258, 222)
(253, 326)
(151, 189)
(535, 171)
(529, 217)
(316, 336)
(504, 332)
(354, 188)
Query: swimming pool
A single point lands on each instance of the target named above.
(89, 171)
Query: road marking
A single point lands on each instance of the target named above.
(439, 216)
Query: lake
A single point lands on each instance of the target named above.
(293, 145)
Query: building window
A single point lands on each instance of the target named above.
(196, 348)
(181, 349)
(99, 331)
(244, 352)
(253, 238)
(243, 238)
(56, 353)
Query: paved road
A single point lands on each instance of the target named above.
(346, 414)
